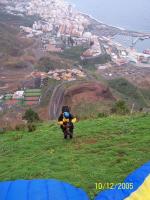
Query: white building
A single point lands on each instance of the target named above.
(18, 95)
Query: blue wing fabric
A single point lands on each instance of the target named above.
(137, 178)
(40, 190)
(57, 190)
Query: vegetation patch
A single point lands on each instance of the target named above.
(73, 53)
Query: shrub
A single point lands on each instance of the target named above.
(2, 130)
(31, 116)
(31, 127)
(120, 107)
(101, 115)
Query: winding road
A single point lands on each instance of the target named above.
(57, 98)
(56, 101)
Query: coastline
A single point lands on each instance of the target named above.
(93, 18)
(122, 31)
(146, 33)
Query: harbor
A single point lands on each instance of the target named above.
(140, 44)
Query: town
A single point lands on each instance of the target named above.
(61, 26)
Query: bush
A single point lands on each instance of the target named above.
(31, 116)
(101, 115)
(120, 107)
(2, 130)
(31, 127)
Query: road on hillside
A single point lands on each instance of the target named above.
(57, 98)
(56, 102)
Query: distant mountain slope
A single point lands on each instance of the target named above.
(16, 20)
(131, 93)
(10, 41)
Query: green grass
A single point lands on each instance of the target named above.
(36, 94)
(33, 90)
(85, 110)
(104, 150)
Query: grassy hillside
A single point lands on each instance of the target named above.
(104, 150)
(131, 93)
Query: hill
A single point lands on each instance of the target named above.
(130, 93)
(104, 150)
(11, 42)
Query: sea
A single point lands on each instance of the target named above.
(128, 14)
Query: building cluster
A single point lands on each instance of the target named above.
(56, 16)
(68, 75)
(60, 74)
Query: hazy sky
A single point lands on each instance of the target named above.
(133, 14)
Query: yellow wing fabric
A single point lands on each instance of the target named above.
(60, 123)
(74, 120)
(66, 120)
(143, 192)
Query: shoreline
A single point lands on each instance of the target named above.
(97, 20)
(116, 27)
(93, 18)
(144, 33)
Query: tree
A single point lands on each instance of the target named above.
(31, 116)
